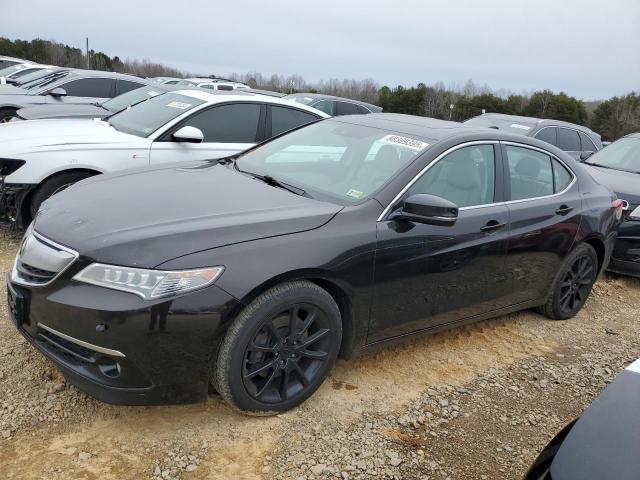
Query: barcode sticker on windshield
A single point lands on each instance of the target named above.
(521, 127)
(180, 105)
(152, 93)
(404, 142)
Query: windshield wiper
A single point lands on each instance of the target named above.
(269, 180)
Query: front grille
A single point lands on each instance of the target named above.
(40, 261)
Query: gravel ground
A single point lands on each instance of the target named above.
(473, 403)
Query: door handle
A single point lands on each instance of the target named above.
(492, 226)
(563, 210)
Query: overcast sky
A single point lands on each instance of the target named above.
(588, 48)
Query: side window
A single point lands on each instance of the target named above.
(283, 119)
(325, 106)
(530, 173)
(568, 140)
(227, 88)
(89, 87)
(234, 123)
(547, 135)
(125, 86)
(587, 144)
(345, 108)
(561, 176)
(210, 86)
(465, 177)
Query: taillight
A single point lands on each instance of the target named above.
(618, 206)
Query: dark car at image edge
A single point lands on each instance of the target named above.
(255, 272)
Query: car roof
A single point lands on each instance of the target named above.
(218, 96)
(536, 121)
(376, 108)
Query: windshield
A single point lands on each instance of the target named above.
(621, 155)
(300, 99)
(506, 125)
(45, 81)
(130, 98)
(38, 74)
(331, 158)
(186, 82)
(147, 117)
(12, 69)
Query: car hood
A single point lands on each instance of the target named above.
(44, 135)
(147, 217)
(624, 184)
(69, 110)
(605, 441)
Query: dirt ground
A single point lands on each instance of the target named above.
(472, 403)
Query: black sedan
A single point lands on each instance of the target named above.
(618, 167)
(604, 443)
(255, 272)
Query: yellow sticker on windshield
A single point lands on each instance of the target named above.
(355, 193)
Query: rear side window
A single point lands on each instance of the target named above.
(283, 119)
(530, 173)
(547, 135)
(233, 123)
(325, 106)
(587, 143)
(89, 87)
(227, 88)
(568, 140)
(562, 177)
(345, 108)
(125, 86)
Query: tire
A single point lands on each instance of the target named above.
(7, 114)
(52, 186)
(572, 284)
(261, 369)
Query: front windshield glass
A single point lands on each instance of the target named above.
(331, 158)
(38, 74)
(623, 154)
(9, 70)
(130, 98)
(45, 81)
(147, 117)
(505, 125)
(300, 99)
(186, 82)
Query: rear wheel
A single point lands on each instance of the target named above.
(279, 350)
(572, 284)
(53, 185)
(7, 114)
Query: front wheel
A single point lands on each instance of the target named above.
(7, 115)
(279, 350)
(572, 284)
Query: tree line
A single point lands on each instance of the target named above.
(612, 118)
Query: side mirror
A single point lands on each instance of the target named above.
(189, 135)
(584, 155)
(58, 92)
(429, 209)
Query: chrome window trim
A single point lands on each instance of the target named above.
(82, 343)
(16, 279)
(595, 149)
(387, 209)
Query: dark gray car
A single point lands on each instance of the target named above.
(574, 139)
(67, 86)
(334, 106)
(98, 109)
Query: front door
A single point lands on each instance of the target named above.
(428, 275)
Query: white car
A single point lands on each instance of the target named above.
(213, 84)
(39, 158)
(11, 73)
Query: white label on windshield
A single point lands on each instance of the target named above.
(634, 367)
(404, 142)
(180, 105)
(521, 127)
(152, 93)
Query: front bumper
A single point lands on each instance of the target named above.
(625, 258)
(119, 348)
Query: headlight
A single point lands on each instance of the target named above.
(148, 284)
(635, 215)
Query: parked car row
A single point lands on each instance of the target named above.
(267, 236)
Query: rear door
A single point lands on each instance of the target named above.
(228, 129)
(544, 208)
(428, 275)
(569, 141)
